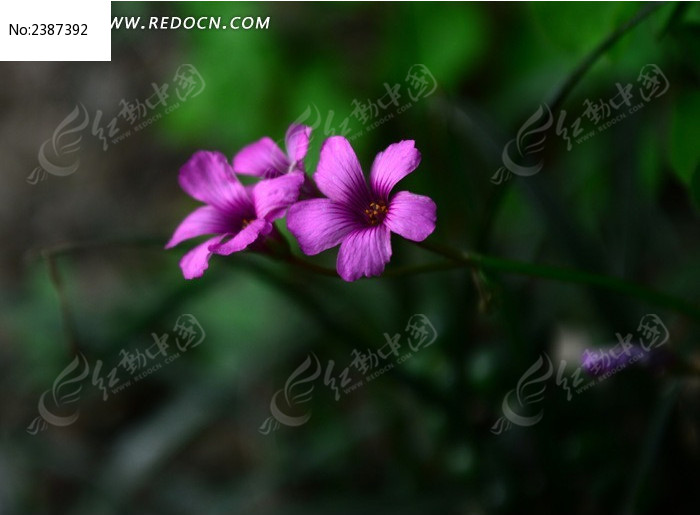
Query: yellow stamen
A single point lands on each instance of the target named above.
(376, 212)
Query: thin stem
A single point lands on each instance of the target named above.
(458, 260)
(658, 427)
(307, 265)
(569, 275)
(50, 256)
(576, 75)
(60, 249)
(66, 312)
(560, 96)
(281, 252)
(394, 272)
(421, 269)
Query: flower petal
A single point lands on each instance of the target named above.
(319, 224)
(201, 221)
(297, 143)
(196, 261)
(411, 216)
(392, 165)
(364, 252)
(339, 176)
(272, 197)
(245, 237)
(208, 177)
(261, 159)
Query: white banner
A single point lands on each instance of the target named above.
(58, 30)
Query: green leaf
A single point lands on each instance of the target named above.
(685, 134)
(695, 187)
(458, 31)
(449, 41)
(577, 27)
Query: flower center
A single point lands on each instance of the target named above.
(245, 223)
(376, 212)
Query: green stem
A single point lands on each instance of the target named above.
(307, 265)
(658, 428)
(457, 259)
(421, 269)
(568, 275)
(66, 312)
(60, 249)
(608, 43)
(563, 92)
(393, 272)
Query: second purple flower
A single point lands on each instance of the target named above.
(361, 217)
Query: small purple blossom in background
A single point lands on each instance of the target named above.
(601, 361)
(361, 217)
(238, 216)
(266, 160)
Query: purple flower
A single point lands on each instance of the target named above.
(237, 215)
(265, 159)
(610, 360)
(358, 217)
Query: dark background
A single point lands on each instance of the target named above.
(82, 268)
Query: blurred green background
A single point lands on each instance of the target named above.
(82, 267)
